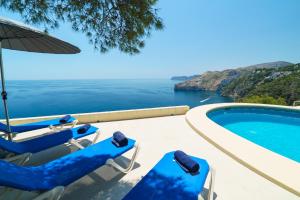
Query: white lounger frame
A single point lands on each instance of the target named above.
(210, 194)
(53, 128)
(61, 126)
(71, 141)
(112, 163)
(57, 192)
(19, 159)
(78, 145)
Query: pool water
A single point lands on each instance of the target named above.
(275, 129)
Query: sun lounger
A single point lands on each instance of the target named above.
(169, 180)
(47, 141)
(55, 124)
(48, 180)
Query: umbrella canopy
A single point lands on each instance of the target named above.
(17, 36)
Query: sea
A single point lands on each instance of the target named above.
(30, 98)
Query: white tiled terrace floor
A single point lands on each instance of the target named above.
(156, 137)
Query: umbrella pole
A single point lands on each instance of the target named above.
(4, 94)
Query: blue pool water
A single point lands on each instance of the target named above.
(39, 98)
(275, 129)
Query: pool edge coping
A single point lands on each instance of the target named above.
(230, 144)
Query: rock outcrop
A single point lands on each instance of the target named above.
(280, 81)
(215, 80)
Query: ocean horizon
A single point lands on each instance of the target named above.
(30, 98)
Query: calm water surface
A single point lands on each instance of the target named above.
(275, 129)
(39, 98)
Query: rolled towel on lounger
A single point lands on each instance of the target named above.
(65, 119)
(119, 139)
(83, 129)
(186, 162)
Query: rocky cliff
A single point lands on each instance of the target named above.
(215, 80)
(276, 79)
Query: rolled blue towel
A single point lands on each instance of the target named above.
(83, 129)
(65, 119)
(186, 162)
(119, 139)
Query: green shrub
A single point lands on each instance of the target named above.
(263, 99)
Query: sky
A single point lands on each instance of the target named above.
(199, 35)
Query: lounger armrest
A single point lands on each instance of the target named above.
(53, 194)
(130, 165)
(19, 159)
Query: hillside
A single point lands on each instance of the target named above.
(281, 82)
(277, 79)
(269, 65)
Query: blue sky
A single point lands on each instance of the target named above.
(199, 35)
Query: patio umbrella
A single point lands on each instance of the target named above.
(18, 36)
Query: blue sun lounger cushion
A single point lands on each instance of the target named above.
(186, 162)
(35, 125)
(119, 139)
(62, 171)
(65, 119)
(167, 180)
(44, 142)
(83, 129)
(89, 129)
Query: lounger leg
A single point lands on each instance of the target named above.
(210, 194)
(19, 159)
(53, 194)
(14, 134)
(74, 123)
(130, 165)
(98, 132)
(76, 143)
(200, 197)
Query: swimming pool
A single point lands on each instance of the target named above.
(276, 129)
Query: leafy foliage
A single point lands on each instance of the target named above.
(287, 87)
(260, 85)
(263, 99)
(108, 24)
